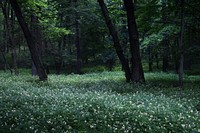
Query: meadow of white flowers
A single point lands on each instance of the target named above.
(99, 102)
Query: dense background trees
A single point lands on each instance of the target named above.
(72, 37)
(152, 41)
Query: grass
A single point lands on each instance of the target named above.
(99, 102)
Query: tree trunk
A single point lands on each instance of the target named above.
(165, 65)
(165, 42)
(30, 41)
(157, 61)
(5, 42)
(150, 59)
(6, 64)
(59, 61)
(181, 59)
(14, 49)
(136, 65)
(33, 69)
(65, 38)
(8, 29)
(188, 60)
(34, 32)
(176, 60)
(118, 48)
(77, 42)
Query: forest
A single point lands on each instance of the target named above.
(100, 66)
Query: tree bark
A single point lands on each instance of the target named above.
(33, 69)
(118, 48)
(34, 32)
(6, 63)
(14, 47)
(165, 65)
(181, 59)
(8, 25)
(176, 58)
(165, 42)
(77, 42)
(157, 61)
(150, 58)
(30, 41)
(136, 65)
(5, 42)
(59, 60)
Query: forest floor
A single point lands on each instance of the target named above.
(99, 102)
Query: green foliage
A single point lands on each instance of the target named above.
(57, 33)
(98, 102)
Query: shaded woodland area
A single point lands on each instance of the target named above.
(68, 36)
(103, 66)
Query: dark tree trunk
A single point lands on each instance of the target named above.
(6, 63)
(4, 36)
(19, 44)
(150, 59)
(58, 62)
(165, 42)
(118, 48)
(176, 61)
(8, 28)
(70, 45)
(30, 41)
(61, 43)
(181, 59)
(157, 61)
(188, 60)
(14, 47)
(67, 21)
(5, 42)
(34, 32)
(37, 35)
(77, 42)
(165, 65)
(136, 65)
(64, 42)
(33, 69)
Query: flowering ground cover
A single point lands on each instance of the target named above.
(99, 102)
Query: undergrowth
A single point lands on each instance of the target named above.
(99, 102)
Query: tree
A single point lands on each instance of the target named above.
(181, 57)
(116, 41)
(73, 31)
(30, 41)
(9, 22)
(77, 41)
(35, 32)
(165, 41)
(136, 65)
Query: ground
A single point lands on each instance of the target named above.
(99, 102)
